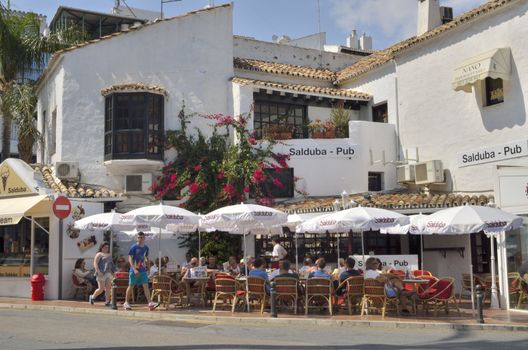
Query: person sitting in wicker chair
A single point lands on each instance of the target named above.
(393, 284)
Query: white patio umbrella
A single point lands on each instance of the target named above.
(161, 216)
(102, 222)
(415, 226)
(469, 219)
(244, 219)
(357, 219)
(150, 233)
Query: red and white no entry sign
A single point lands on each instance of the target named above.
(62, 207)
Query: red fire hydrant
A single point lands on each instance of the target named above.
(37, 286)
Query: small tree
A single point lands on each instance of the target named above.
(340, 116)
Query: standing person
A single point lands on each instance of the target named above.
(279, 253)
(138, 259)
(104, 273)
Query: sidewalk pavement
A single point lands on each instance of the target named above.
(494, 319)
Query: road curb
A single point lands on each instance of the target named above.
(268, 320)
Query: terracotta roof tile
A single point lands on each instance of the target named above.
(394, 201)
(70, 188)
(381, 57)
(283, 68)
(305, 88)
(133, 87)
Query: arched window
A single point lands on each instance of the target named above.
(134, 126)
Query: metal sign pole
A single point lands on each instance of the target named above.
(60, 258)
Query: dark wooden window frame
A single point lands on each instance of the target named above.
(134, 126)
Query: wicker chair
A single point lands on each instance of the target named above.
(166, 289)
(287, 290)
(441, 293)
(318, 289)
(353, 292)
(466, 284)
(375, 298)
(256, 290)
(226, 288)
(81, 288)
(122, 285)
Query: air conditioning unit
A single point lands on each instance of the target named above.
(138, 183)
(67, 170)
(428, 172)
(405, 173)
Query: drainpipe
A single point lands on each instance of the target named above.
(396, 89)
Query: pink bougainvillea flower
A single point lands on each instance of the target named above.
(277, 182)
(194, 187)
(246, 189)
(252, 141)
(258, 176)
(197, 168)
(220, 175)
(173, 177)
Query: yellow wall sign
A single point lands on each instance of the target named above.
(11, 184)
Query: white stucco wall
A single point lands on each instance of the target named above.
(191, 57)
(267, 51)
(440, 122)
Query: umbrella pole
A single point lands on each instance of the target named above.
(494, 296)
(159, 252)
(472, 279)
(338, 256)
(422, 252)
(296, 254)
(199, 245)
(245, 267)
(363, 249)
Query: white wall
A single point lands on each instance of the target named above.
(191, 57)
(441, 122)
(267, 51)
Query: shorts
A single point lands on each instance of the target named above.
(104, 278)
(139, 279)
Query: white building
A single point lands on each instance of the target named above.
(404, 110)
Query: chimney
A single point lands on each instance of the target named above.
(446, 14)
(365, 42)
(428, 16)
(352, 40)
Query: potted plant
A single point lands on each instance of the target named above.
(340, 116)
(280, 131)
(322, 130)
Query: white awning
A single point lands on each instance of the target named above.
(494, 64)
(13, 209)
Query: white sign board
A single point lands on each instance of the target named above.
(397, 262)
(317, 148)
(493, 154)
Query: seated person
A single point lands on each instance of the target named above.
(349, 272)
(84, 276)
(393, 284)
(153, 270)
(250, 265)
(259, 270)
(187, 261)
(211, 263)
(203, 261)
(307, 267)
(285, 271)
(320, 272)
(186, 271)
(231, 266)
(339, 269)
(122, 267)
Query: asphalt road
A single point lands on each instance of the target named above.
(30, 329)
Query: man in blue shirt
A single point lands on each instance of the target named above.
(259, 271)
(320, 272)
(138, 259)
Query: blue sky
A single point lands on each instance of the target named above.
(387, 21)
